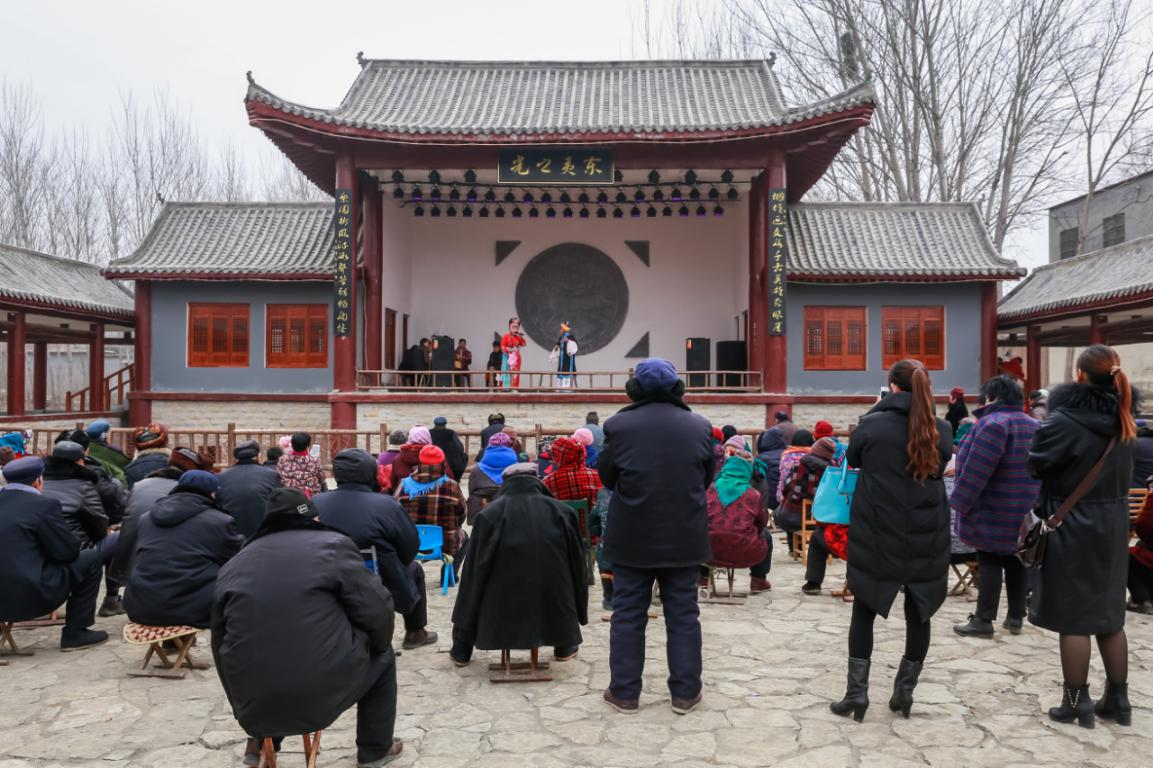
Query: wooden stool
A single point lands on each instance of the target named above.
(311, 750)
(154, 638)
(710, 593)
(509, 671)
(844, 593)
(53, 619)
(6, 639)
(966, 581)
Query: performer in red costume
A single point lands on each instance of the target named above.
(510, 345)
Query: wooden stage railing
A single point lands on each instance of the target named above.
(546, 381)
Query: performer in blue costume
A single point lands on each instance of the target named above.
(566, 352)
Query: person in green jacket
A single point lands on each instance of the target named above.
(111, 458)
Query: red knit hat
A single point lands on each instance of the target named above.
(822, 429)
(957, 392)
(431, 455)
(718, 435)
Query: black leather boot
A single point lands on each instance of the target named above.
(1114, 703)
(856, 701)
(907, 674)
(1075, 705)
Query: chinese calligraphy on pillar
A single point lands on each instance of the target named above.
(778, 221)
(564, 165)
(343, 273)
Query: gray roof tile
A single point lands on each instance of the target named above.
(221, 240)
(934, 241)
(530, 99)
(30, 276)
(1121, 270)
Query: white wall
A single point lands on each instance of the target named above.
(396, 291)
(696, 285)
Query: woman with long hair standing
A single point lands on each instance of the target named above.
(1081, 586)
(899, 535)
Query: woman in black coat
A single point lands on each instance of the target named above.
(899, 535)
(1081, 586)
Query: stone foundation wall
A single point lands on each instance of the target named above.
(840, 415)
(255, 414)
(568, 416)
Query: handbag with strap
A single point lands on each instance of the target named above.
(1031, 538)
(834, 495)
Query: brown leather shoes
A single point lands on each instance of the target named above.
(685, 706)
(756, 586)
(621, 705)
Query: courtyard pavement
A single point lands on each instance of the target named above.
(771, 668)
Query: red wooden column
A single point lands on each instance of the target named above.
(758, 252)
(39, 375)
(96, 369)
(343, 414)
(776, 366)
(139, 408)
(988, 330)
(373, 277)
(1033, 359)
(1097, 334)
(17, 333)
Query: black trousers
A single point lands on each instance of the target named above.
(917, 633)
(818, 557)
(761, 569)
(990, 567)
(417, 616)
(84, 574)
(632, 595)
(376, 711)
(1140, 581)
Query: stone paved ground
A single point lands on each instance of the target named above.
(771, 668)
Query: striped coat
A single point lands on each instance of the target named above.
(993, 489)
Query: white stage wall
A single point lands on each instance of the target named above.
(443, 273)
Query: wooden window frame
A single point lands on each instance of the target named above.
(315, 337)
(1113, 230)
(840, 318)
(237, 334)
(920, 318)
(1067, 243)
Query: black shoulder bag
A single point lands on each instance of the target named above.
(1031, 537)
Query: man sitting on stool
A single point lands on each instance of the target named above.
(301, 631)
(41, 564)
(372, 519)
(524, 585)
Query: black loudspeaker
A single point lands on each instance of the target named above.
(698, 357)
(732, 356)
(443, 357)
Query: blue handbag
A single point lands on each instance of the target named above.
(834, 495)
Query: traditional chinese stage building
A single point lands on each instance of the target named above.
(656, 207)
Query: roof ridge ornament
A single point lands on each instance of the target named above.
(360, 59)
(248, 74)
(772, 59)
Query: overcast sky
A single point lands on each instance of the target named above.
(81, 56)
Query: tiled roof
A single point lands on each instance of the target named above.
(30, 276)
(223, 240)
(913, 241)
(530, 99)
(1121, 270)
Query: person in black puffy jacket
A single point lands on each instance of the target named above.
(246, 486)
(372, 519)
(301, 631)
(152, 453)
(180, 545)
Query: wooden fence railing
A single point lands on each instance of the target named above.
(116, 387)
(218, 443)
(547, 381)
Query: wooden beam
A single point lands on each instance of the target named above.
(16, 362)
(776, 356)
(96, 369)
(39, 375)
(1032, 360)
(140, 409)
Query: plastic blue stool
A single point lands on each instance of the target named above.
(431, 547)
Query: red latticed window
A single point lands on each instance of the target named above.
(835, 339)
(297, 336)
(913, 332)
(217, 335)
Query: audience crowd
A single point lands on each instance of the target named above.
(298, 572)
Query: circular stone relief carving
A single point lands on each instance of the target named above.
(576, 284)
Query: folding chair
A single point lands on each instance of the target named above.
(508, 671)
(311, 750)
(581, 507)
(6, 639)
(431, 548)
(801, 537)
(155, 637)
(966, 581)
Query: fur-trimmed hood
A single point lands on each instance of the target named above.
(1094, 407)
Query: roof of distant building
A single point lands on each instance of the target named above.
(1109, 275)
(38, 280)
(542, 100)
(1110, 187)
(834, 242)
(234, 241)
